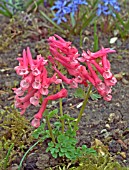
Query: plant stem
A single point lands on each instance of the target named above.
(61, 113)
(20, 165)
(61, 110)
(7, 156)
(83, 107)
(50, 129)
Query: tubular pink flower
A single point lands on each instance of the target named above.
(101, 86)
(18, 91)
(35, 99)
(78, 79)
(98, 67)
(74, 84)
(110, 82)
(25, 60)
(64, 78)
(93, 74)
(44, 91)
(107, 74)
(20, 70)
(28, 96)
(106, 63)
(24, 107)
(36, 85)
(24, 84)
(107, 97)
(29, 56)
(35, 122)
(37, 82)
(100, 53)
(54, 79)
(61, 94)
(85, 74)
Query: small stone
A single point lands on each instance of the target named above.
(123, 154)
(107, 126)
(124, 81)
(79, 105)
(43, 161)
(118, 76)
(113, 40)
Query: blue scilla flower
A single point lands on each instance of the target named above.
(73, 5)
(107, 7)
(64, 7)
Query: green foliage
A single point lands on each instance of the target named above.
(15, 130)
(65, 143)
(6, 8)
(95, 96)
(41, 133)
(32, 5)
(79, 92)
(122, 25)
(11, 7)
(66, 147)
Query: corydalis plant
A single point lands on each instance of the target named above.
(68, 56)
(34, 85)
(89, 68)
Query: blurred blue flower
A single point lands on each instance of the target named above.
(108, 7)
(73, 5)
(66, 7)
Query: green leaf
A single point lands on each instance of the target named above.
(46, 112)
(40, 130)
(84, 147)
(52, 22)
(88, 20)
(120, 19)
(51, 144)
(79, 93)
(67, 154)
(61, 154)
(72, 19)
(66, 117)
(54, 155)
(95, 96)
(52, 150)
(63, 150)
(52, 113)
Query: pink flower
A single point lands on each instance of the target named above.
(108, 97)
(35, 122)
(110, 82)
(22, 69)
(35, 99)
(61, 94)
(18, 91)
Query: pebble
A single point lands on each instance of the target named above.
(123, 154)
(124, 81)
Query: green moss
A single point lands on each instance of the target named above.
(99, 163)
(14, 129)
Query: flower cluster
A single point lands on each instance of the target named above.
(68, 56)
(34, 84)
(66, 7)
(90, 67)
(107, 7)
